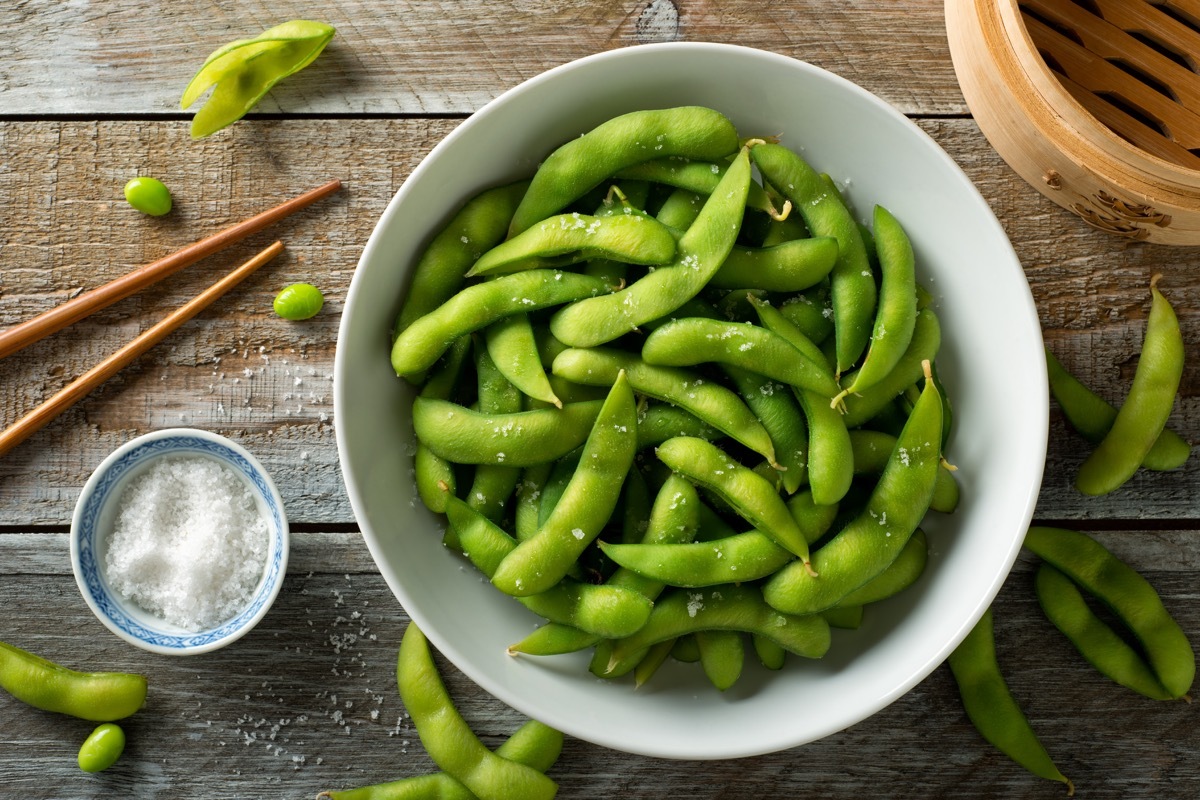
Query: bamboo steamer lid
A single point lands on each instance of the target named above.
(1096, 103)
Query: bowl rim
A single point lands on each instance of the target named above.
(89, 506)
(1035, 381)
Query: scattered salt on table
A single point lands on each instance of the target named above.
(189, 544)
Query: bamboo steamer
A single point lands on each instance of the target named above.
(1096, 103)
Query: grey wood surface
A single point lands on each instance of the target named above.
(88, 98)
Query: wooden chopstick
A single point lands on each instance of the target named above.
(25, 333)
(39, 417)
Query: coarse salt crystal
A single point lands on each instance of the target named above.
(189, 544)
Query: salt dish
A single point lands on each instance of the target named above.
(179, 541)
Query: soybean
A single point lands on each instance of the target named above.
(101, 749)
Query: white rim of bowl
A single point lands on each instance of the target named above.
(1037, 382)
(272, 577)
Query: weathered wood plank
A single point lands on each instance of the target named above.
(307, 702)
(437, 57)
(235, 368)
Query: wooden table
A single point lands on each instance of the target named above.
(307, 701)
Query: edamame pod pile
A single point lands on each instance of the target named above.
(674, 375)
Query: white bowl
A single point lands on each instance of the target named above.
(991, 361)
(96, 513)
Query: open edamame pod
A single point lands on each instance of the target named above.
(245, 70)
(991, 707)
(448, 739)
(1134, 601)
(1143, 415)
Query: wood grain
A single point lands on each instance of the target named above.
(307, 701)
(239, 370)
(438, 57)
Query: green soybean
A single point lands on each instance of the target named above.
(991, 707)
(298, 301)
(101, 749)
(148, 195)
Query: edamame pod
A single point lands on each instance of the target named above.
(896, 315)
(788, 267)
(570, 238)
(94, 696)
(479, 226)
(1134, 601)
(730, 608)
(900, 574)
(661, 421)
(927, 338)
(581, 164)
(1092, 417)
(699, 254)
(434, 475)
(749, 494)
(420, 344)
(708, 401)
(463, 436)
(873, 539)
(698, 177)
(1064, 605)
(852, 283)
(588, 501)
(696, 340)
(871, 450)
(991, 707)
(513, 349)
(1143, 416)
(447, 737)
(607, 611)
(721, 656)
(493, 484)
(776, 408)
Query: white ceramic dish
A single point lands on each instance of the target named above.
(96, 512)
(991, 361)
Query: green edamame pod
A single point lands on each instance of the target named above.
(94, 696)
(588, 501)
(896, 316)
(685, 649)
(742, 557)
(463, 436)
(607, 611)
(731, 608)
(749, 494)
(811, 313)
(900, 574)
(708, 401)
(566, 239)
(698, 177)
(871, 450)
(844, 616)
(770, 654)
(926, 339)
(420, 344)
(245, 70)
(584, 162)
(721, 656)
(447, 737)
(477, 227)
(680, 210)
(658, 422)
(788, 267)
(696, 340)
(852, 283)
(1143, 416)
(830, 460)
(511, 344)
(872, 540)
(1134, 601)
(991, 707)
(434, 475)
(493, 484)
(529, 494)
(699, 254)
(655, 657)
(1064, 605)
(776, 408)
(1092, 417)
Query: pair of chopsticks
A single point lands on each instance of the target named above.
(25, 333)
